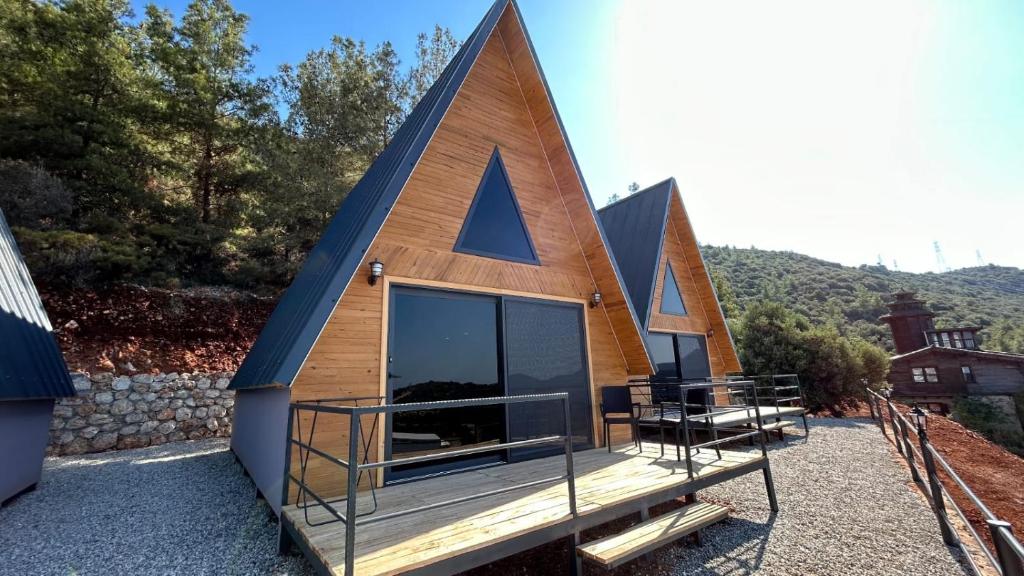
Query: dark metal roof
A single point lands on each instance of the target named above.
(303, 311)
(635, 227)
(31, 364)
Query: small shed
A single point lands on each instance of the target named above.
(32, 373)
(668, 282)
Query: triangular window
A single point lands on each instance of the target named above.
(494, 226)
(671, 299)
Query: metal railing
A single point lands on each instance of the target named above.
(685, 418)
(665, 413)
(1008, 559)
(355, 468)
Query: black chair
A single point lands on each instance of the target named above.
(617, 407)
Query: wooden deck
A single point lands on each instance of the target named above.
(456, 537)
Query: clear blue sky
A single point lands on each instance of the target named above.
(843, 130)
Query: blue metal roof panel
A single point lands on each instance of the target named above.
(304, 309)
(31, 363)
(635, 227)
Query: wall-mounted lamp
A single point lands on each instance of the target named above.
(376, 271)
(710, 333)
(595, 299)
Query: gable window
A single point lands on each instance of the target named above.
(927, 374)
(968, 374)
(918, 375)
(494, 226)
(671, 298)
(969, 340)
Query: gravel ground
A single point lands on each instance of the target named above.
(182, 508)
(847, 508)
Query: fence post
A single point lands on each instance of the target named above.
(881, 417)
(895, 427)
(1010, 561)
(909, 452)
(938, 502)
(871, 404)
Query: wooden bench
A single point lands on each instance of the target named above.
(618, 549)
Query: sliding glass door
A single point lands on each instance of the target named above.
(450, 345)
(443, 346)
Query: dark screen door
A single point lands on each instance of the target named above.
(545, 351)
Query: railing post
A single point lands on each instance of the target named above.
(283, 539)
(938, 501)
(895, 426)
(908, 451)
(684, 420)
(769, 483)
(871, 403)
(353, 488)
(569, 471)
(878, 410)
(1010, 561)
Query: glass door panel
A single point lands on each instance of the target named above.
(443, 346)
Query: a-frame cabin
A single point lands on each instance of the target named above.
(669, 284)
(495, 279)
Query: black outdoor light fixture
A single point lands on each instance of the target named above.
(595, 299)
(920, 417)
(376, 271)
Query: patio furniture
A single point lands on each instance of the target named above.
(617, 407)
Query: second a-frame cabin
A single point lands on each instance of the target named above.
(668, 282)
(469, 262)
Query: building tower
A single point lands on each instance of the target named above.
(909, 319)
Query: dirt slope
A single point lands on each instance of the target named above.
(133, 329)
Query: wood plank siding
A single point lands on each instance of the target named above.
(703, 313)
(501, 103)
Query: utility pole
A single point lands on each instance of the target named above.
(939, 258)
(977, 253)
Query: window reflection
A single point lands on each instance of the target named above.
(444, 346)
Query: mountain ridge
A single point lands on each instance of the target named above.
(853, 298)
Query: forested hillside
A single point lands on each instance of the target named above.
(144, 148)
(853, 298)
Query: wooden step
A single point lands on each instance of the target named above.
(620, 548)
(777, 425)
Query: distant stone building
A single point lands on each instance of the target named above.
(933, 367)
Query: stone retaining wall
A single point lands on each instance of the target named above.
(142, 410)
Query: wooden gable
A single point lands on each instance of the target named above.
(501, 104)
(704, 314)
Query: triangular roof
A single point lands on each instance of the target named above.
(293, 328)
(31, 363)
(983, 354)
(636, 227)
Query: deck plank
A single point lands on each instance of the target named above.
(444, 531)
